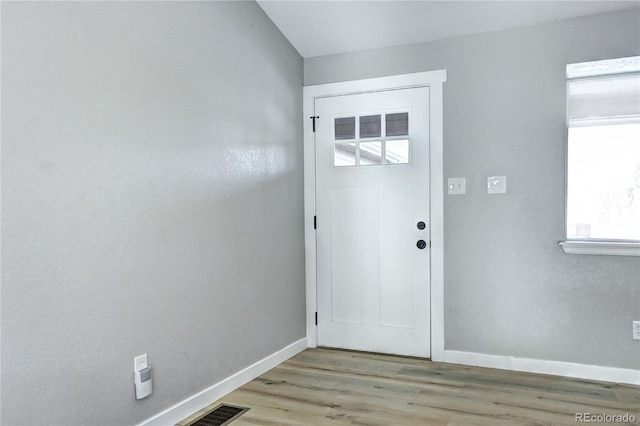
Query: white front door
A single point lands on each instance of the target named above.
(372, 208)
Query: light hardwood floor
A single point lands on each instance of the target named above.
(334, 387)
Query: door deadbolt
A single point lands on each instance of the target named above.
(421, 244)
(421, 225)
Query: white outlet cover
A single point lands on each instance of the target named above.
(636, 330)
(140, 362)
(497, 185)
(456, 186)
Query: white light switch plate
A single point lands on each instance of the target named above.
(456, 186)
(497, 185)
(140, 362)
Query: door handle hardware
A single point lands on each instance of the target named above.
(421, 244)
(421, 225)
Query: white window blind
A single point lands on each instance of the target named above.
(604, 100)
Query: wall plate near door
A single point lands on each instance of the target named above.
(497, 185)
(456, 186)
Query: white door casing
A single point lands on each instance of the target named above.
(434, 81)
(372, 190)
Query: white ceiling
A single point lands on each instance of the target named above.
(317, 28)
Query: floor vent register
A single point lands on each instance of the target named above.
(221, 415)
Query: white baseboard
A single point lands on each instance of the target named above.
(200, 400)
(557, 368)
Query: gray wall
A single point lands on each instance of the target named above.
(509, 287)
(151, 203)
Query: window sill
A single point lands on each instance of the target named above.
(601, 248)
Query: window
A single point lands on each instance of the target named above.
(603, 157)
(371, 140)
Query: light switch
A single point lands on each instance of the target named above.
(456, 186)
(497, 185)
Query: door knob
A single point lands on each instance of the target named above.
(421, 244)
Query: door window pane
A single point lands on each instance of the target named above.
(397, 152)
(345, 128)
(370, 153)
(344, 154)
(353, 146)
(397, 124)
(370, 126)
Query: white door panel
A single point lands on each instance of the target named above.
(396, 280)
(346, 255)
(372, 166)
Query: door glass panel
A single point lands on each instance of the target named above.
(397, 124)
(370, 153)
(344, 154)
(397, 151)
(370, 126)
(345, 128)
(352, 147)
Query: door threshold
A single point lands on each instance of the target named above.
(355, 351)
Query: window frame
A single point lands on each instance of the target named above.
(594, 246)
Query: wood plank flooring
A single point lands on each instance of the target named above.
(335, 387)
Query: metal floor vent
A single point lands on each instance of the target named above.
(221, 415)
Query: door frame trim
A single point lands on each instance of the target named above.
(434, 80)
